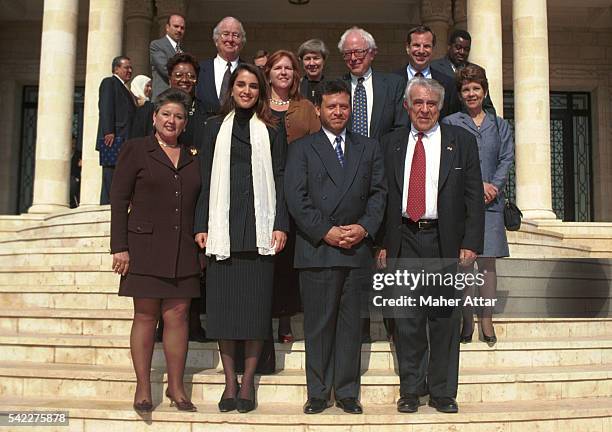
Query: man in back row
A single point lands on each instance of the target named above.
(163, 49)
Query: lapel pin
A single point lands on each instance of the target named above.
(193, 151)
(449, 148)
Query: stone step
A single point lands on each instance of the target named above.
(84, 297)
(581, 414)
(23, 380)
(56, 257)
(59, 275)
(89, 320)
(114, 350)
(83, 241)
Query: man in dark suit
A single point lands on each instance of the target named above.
(376, 96)
(435, 210)
(459, 46)
(335, 191)
(420, 43)
(376, 101)
(229, 37)
(116, 106)
(163, 49)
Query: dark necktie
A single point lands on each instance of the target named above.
(225, 82)
(360, 109)
(339, 152)
(415, 207)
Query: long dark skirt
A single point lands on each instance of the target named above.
(239, 296)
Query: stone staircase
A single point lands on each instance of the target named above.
(64, 346)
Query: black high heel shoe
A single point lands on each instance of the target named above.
(467, 338)
(143, 407)
(489, 340)
(246, 405)
(181, 405)
(228, 404)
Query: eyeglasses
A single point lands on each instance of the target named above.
(188, 76)
(359, 54)
(232, 35)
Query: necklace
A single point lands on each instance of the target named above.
(163, 144)
(280, 102)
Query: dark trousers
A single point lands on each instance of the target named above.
(332, 329)
(107, 179)
(427, 345)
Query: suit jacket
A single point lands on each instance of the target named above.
(388, 112)
(495, 150)
(460, 192)
(241, 208)
(443, 65)
(116, 106)
(160, 50)
(206, 90)
(193, 136)
(158, 230)
(321, 194)
(452, 103)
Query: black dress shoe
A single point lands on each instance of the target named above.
(466, 339)
(489, 340)
(408, 403)
(444, 404)
(350, 405)
(315, 406)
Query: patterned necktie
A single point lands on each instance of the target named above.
(179, 50)
(360, 109)
(225, 82)
(416, 187)
(339, 152)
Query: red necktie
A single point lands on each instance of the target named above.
(416, 188)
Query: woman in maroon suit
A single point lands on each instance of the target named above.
(158, 180)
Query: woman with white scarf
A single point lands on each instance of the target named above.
(241, 220)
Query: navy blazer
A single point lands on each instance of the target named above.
(460, 192)
(321, 194)
(116, 107)
(452, 103)
(206, 91)
(388, 112)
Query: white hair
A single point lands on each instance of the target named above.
(217, 33)
(429, 84)
(364, 34)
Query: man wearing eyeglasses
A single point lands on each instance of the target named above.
(229, 37)
(376, 96)
(377, 99)
(161, 50)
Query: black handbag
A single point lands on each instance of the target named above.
(512, 216)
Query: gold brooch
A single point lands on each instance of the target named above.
(193, 151)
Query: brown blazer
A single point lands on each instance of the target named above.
(301, 119)
(158, 230)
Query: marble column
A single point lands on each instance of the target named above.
(138, 18)
(103, 44)
(460, 14)
(532, 108)
(55, 106)
(437, 15)
(167, 7)
(485, 26)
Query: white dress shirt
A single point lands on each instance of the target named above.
(172, 42)
(220, 65)
(432, 142)
(412, 72)
(332, 139)
(367, 83)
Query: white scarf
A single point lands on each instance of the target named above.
(264, 190)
